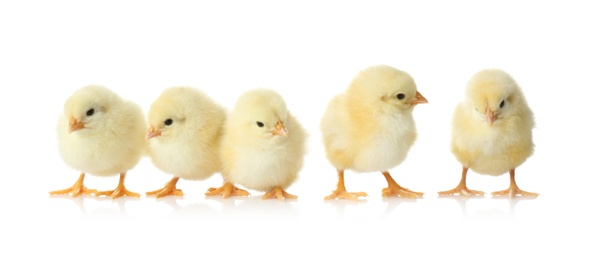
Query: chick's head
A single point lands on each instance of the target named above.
(176, 109)
(385, 88)
(494, 95)
(261, 114)
(86, 109)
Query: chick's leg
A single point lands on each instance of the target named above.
(461, 189)
(341, 193)
(169, 189)
(227, 190)
(76, 189)
(513, 189)
(120, 190)
(394, 189)
(279, 193)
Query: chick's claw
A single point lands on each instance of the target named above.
(165, 191)
(343, 194)
(227, 190)
(393, 191)
(278, 193)
(462, 191)
(77, 188)
(120, 191)
(513, 192)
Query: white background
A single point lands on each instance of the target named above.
(308, 52)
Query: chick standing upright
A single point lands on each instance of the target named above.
(492, 131)
(370, 127)
(101, 134)
(262, 148)
(184, 136)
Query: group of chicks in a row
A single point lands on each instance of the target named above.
(261, 146)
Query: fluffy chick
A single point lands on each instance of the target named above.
(370, 127)
(492, 131)
(101, 134)
(184, 135)
(262, 148)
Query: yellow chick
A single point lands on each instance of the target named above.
(184, 135)
(370, 127)
(101, 134)
(492, 131)
(262, 148)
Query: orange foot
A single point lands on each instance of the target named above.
(397, 191)
(168, 190)
(119, 191)
(461, 190)
(514, 191)
(227, 190)
(76, 189)
(343, 194)
(279, 193)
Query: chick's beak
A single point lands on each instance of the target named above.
(152, 132)
(490, 116)
(280, 129)
(419, 99)
(74, 125)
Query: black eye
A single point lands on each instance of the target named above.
(169, 121)
(502, 104)
(90, 112)
(400, 96)
(260, 124)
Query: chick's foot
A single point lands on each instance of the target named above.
(278, 193)
(513, 192)
(343, 194)
(169, 189)
(119, 191)
(76, 189)
(462, 191)
(227, 190)
(395, 190)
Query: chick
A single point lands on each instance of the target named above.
(184, 135)
(262, 148)
(492, 131)
(101, 134)
(370, 127)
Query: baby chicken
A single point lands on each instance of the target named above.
(184, 135)
(262, 148)
(370, 127)
(101, 134)
(492, 131)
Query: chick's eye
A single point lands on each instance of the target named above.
(260, 124)
(90, 112)
(502, 104)
(169, 121)
(400, 96)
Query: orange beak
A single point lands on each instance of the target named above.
(152, 132)
(490, 116)
(419, 99)
(74, 125)
(280, 129)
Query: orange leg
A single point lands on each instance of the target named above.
(169, 189)
(341, 193)
(76, 189)
(227, 190)
(513, 189)
(394, 189)
(461, 189)
(119, 191)
(279, 193)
